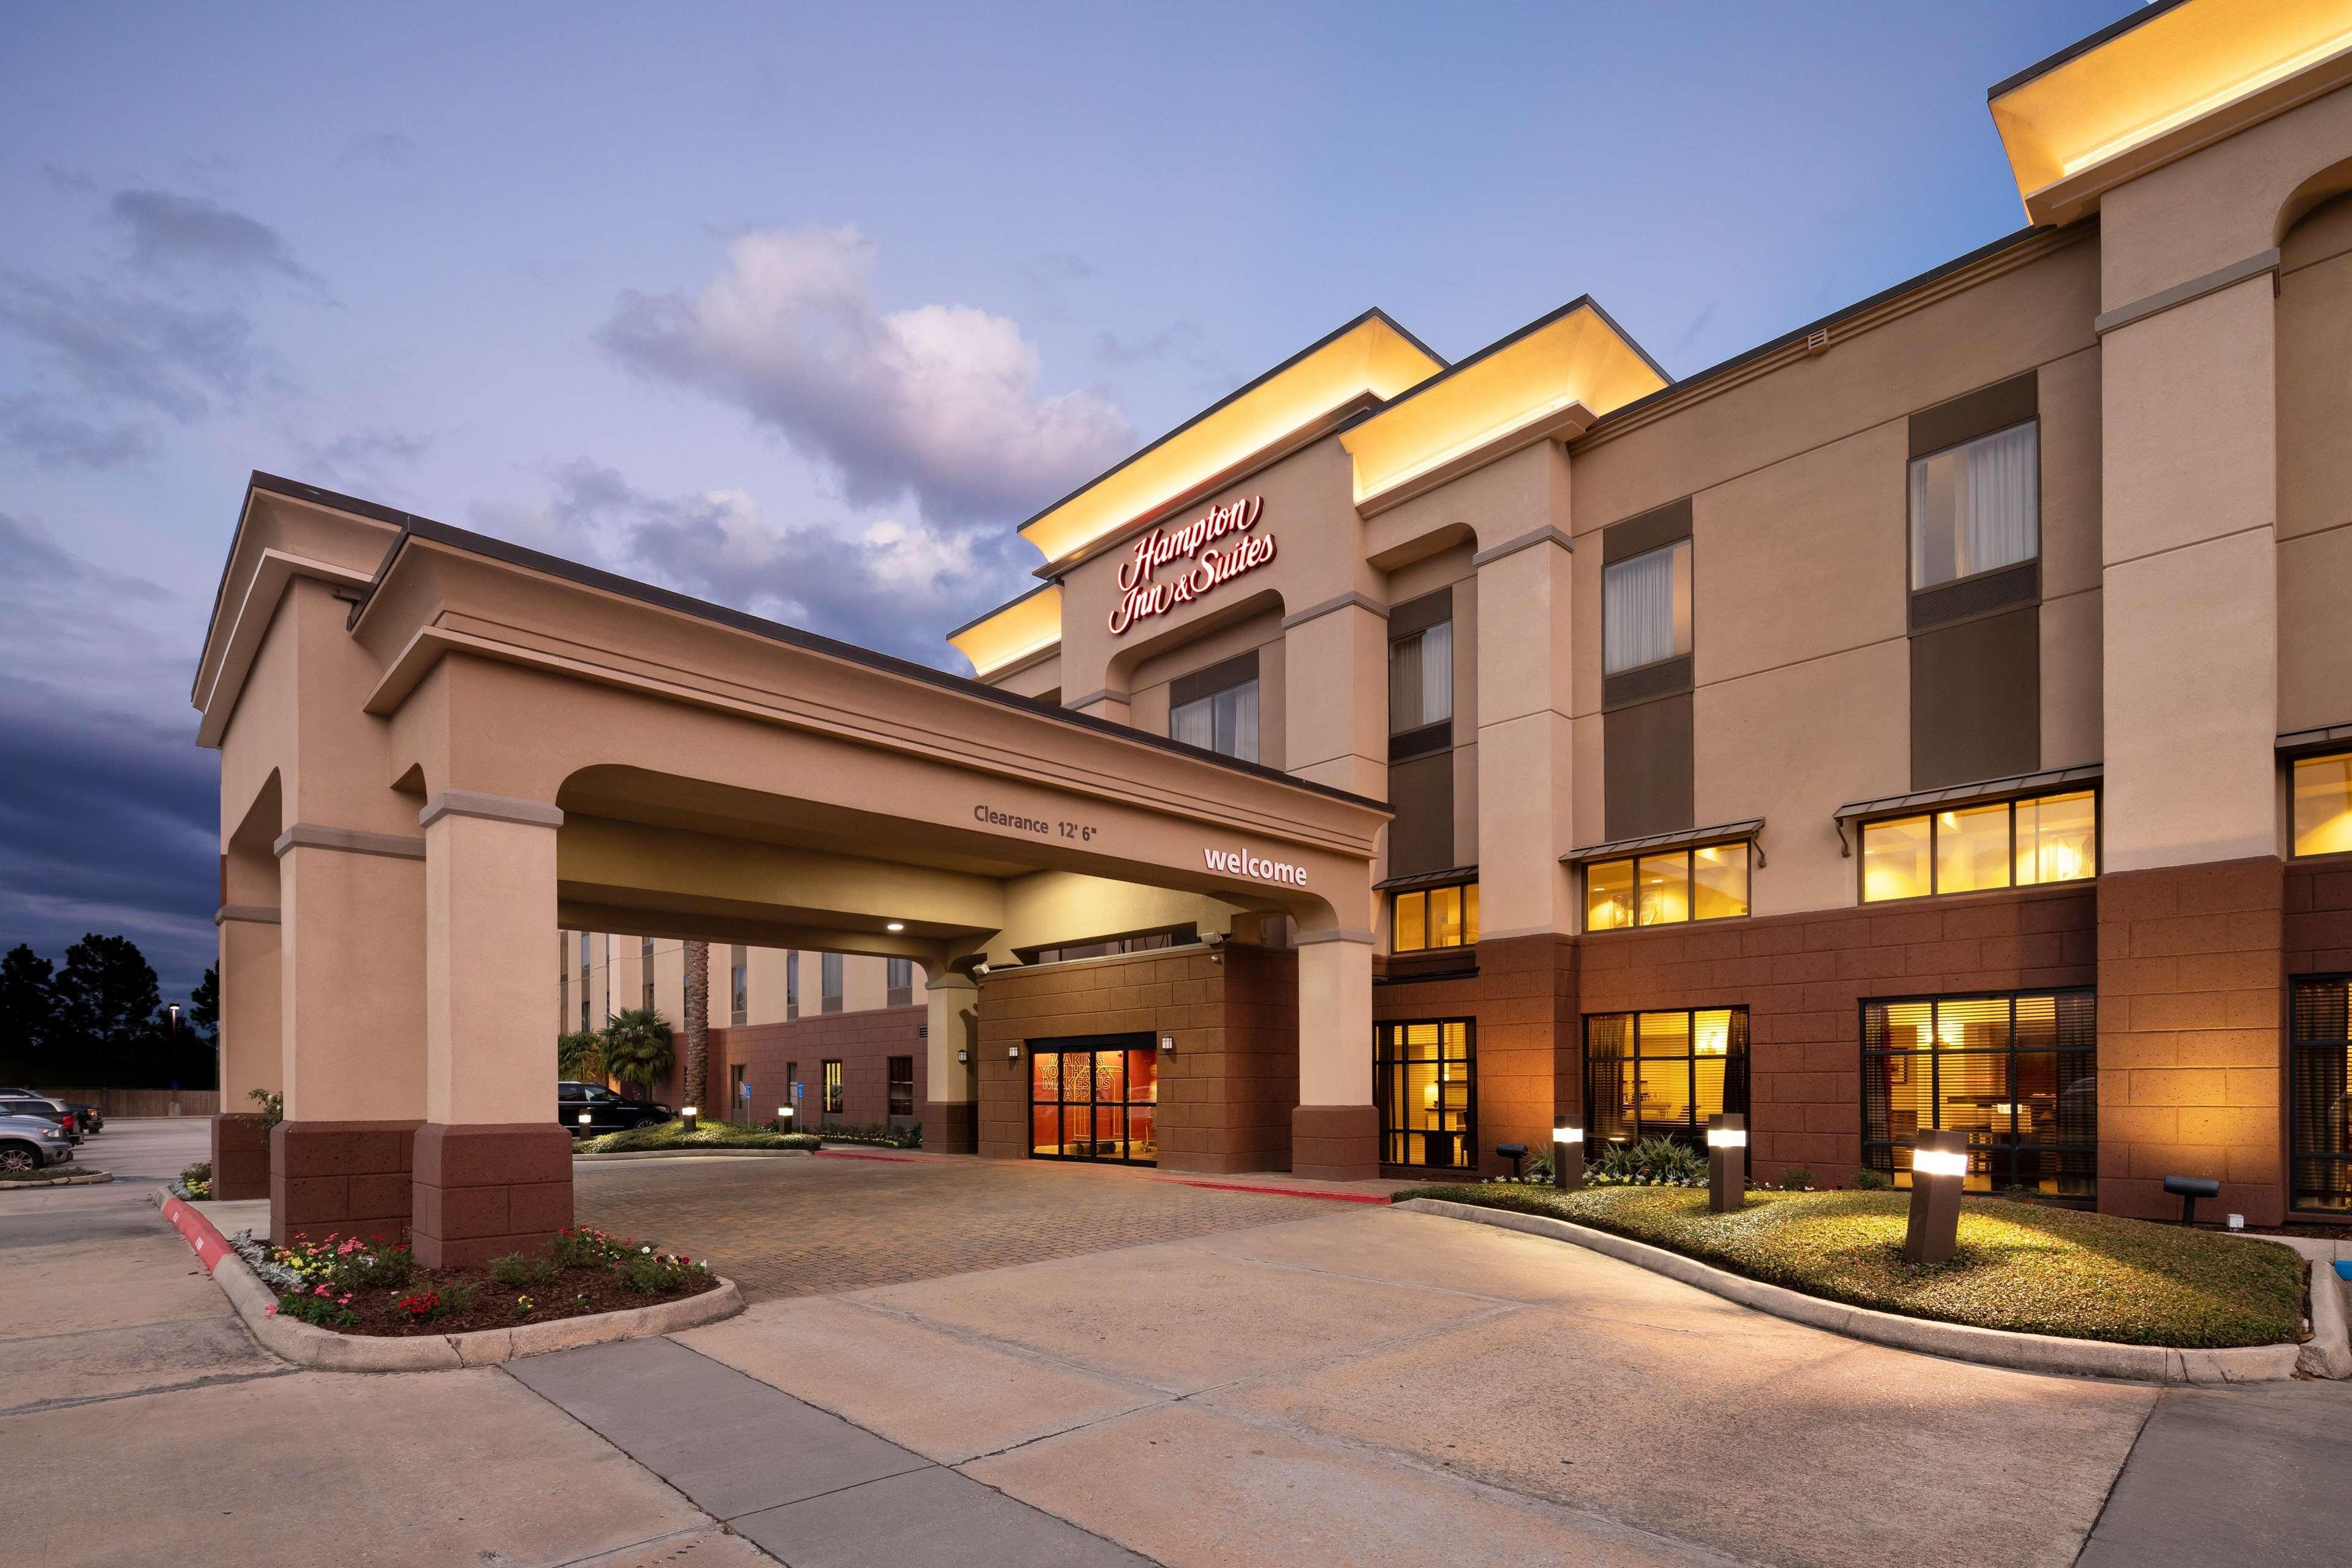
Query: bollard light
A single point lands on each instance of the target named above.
(1726, 1163)
(1939, 1168)
(783, 1119)
(584, 1118)
(687, 1116)
(1568, 1157)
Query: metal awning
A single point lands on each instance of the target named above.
(2327, 738)
(1427, 880)
(1690, 838)
(1984, 790)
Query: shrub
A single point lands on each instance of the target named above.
(651, 1273)
(1869, 1181)
(458, 1296)
(520, 1270)
(580, 1055)
(273, 1105)
(1796, 1179)
(319, 1308)
(637, 1047)
(883, 1133)
(1651, 1163)
(196, 1182)
(585, 1248)
(348, 1263)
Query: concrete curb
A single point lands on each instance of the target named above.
(2328, 1353)
(697, 1154)
(2047, 1353)
(326, 1351)
(79, 1179)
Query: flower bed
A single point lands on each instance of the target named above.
(2022, 1268)
(359, 1285)
(194, 1183)
(706, 1135)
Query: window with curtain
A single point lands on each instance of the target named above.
(1651, 1074)
(829, 982)
(1421, 679)
(1223, 721)
(739, 986)
(2319, 1092)
(1645, 608)
(645, 961)
(791, 985)
(1977, 506)
(833, 1088)
(898, 976)
(2017, 1073)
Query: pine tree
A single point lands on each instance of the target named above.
(27, 1014)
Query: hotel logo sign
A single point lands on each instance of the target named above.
(1208, 564)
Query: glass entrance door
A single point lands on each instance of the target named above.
(1425, 1081)
(1095, 1099)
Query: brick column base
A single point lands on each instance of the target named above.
(951, 1127)
(349, 1177)
(240, 1156)
(1336, 1143)
(482, 1192)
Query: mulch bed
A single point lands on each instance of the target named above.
(575, 1293)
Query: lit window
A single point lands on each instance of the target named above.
(1975, 507)
(2319, 1110)
(1645, 609)
(1223, 721)
(2323, 804)
(1708, 883)
(1434, 917)
(1421, 679)
(833, 1088)
(1649, 1075)
(2019, 1074)
(1966, 849)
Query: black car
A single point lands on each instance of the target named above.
(47, 1108)
(605, 1111)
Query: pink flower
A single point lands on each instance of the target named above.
(271, 1310)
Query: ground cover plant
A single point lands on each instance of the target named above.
(2026, 1267)
(194, 1182)
(367, 1285)
(879, 1133)
(706, 1135)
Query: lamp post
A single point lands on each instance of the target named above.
(1939, 1168)
(1568, 1156)
(1726, 1163)
(171, 1054)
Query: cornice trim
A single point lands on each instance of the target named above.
(490, 808)
(255, 914)
(351, 840)
(1317, 612)
(1337, 934)
(1548, 534)
(2164, 299)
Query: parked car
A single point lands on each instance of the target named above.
(44, 1107)
(606, 1112)
(32, 1144)
(88, 1119)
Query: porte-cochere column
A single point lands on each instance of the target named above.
(1335, 1132)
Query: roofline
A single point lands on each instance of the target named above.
(1325, 341)
(1581, 302)
(499, 550)
(1959, 263)
(2080, 47)
(990, 614)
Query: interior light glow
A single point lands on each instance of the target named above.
(2242, 88)
(1939, 1163)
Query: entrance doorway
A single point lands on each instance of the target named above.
(1095, 1098)
(1425, 1081)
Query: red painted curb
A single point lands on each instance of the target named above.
(1281, 1192)
(202, 1234)
(845, 1154)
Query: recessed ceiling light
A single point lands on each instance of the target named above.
(896, 925)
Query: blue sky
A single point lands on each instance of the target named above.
(804, 308)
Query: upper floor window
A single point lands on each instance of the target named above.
(898, 976)
(739, 986)
(1975, 507)
(1705, 883)
(1645, 608)
(791, 985)
(645, 963)
(1968, 848)
(829, 982)
(1216, 708)
(1421, 679)
(1434, 917)
(2323, 804)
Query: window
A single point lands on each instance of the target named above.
(1095, 1099)
(645, 966)
(1421, 679)
(828, 980)
(738, 1093)
(1224, 722)
(2320, 1093)
(2009, 843)
(1645, 608)
(793, 1087)
(1105, 947)
(902, 1085)
(1975, 507)
(898, 975)
(739, 986)
(2019, 1074)
(2323, 804)
(1424, 1077)
(585, 987)
(791, 986)
(833, 1088)
(1434, 917)
(1707, 883)
(1652, 1075)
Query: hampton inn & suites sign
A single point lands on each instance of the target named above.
(1213, 549)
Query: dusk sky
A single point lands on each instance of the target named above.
(802, 309)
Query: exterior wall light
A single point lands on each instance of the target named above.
(1939, 1167)
(963, 1056)
(687, 1116)
(896, 925)
(1726, 1163)
(1167, 1042)
(1568, 1157)
(1013, 1053)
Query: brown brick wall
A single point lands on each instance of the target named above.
(2190, 1044)
(1225, 1092)
(1803, 979)
(862, 1043)
(1523, 999)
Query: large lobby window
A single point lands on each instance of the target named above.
(2320, 1093)
(1968, 848)
(2017, 1073)
(1975, 507)
(1649, 1075)
(2323, 804)
(1645, 609)
(1424, 1078)
(1216, 708)
(1095, 1099)
(1434, 917)
(1708, 883)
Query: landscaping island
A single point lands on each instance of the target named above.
(2020, 1268)
(673, 1135)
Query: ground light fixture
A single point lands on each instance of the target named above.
(584, 1118)
(1939, 1168)
(1726, 1163)
(1568, 1157)
(687, 1116)
(783, 1119)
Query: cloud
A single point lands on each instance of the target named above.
(892, 585)
(367, 458)
(55, 439)
(939, 403)
(378, 147)
(168, 230)
(130, 348)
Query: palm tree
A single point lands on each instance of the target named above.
(637, 1047)
(580, 1055)
(697, 1023)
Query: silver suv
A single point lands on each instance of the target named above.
(32, 1142)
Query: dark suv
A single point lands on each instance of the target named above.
(605, 1111)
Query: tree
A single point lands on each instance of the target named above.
(697, 1023)
(204, 1007)
(580, 1055)
(108, 1005)
(637, 1047)
(27, 1012)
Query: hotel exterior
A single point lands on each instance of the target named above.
(1937, 717)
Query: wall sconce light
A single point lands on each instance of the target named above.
(963, 1056)
(1168, 1042)
(1726, 1163)
(1013, 1053)
(1939, 1167)
(1568, 1157)
(687, 1116)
